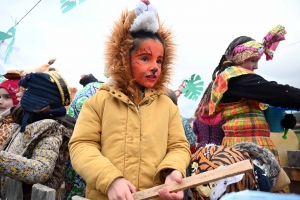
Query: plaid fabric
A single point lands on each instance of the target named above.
(244, 119)
(220, 86)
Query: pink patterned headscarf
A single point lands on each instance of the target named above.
(253, 48)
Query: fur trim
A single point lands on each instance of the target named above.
(265, 159)
(117, 57)
(110, 81)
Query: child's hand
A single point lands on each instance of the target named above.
(121, 189)
(164, 192)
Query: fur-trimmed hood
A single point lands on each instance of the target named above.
(117, 56)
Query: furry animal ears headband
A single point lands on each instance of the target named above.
(143, 17)
(19, 73)
(146, 18)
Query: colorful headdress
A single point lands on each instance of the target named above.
(253, 48)
(117, 54)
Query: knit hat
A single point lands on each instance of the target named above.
(43, 89)
(11, 86)
(86, 79)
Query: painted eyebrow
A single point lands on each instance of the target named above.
(144, 53)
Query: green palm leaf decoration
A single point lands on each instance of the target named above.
(67, 5)
(4, 36)
(9, 49)
(193, 87)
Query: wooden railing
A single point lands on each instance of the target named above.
(14, 191)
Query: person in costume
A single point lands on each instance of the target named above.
(129, 136)
(36, 150)
(207, 129)
(86, 79)
(8, 90)
(241, 96)
(75, 184)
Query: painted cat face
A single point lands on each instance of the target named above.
(146, 62)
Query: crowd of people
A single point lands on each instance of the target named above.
(112, 139)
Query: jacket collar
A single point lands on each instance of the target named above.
(149, 95)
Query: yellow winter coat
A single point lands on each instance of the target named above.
(114, 138)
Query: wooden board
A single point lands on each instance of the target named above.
(199, 179)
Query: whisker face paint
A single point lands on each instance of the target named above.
(146, 62)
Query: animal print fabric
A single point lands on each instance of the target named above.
(211, 157)
(5, 123)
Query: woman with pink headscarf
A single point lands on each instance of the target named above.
(241, 96)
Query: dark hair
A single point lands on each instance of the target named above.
(141, 36)
(171, 94)
(203, 105)
(17, 113)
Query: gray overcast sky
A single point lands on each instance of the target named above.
(202, 29)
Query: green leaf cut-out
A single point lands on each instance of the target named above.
(67, 5)
(4, 36)
(10, 34)
(193, 87)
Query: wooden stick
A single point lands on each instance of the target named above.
(199, 179)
